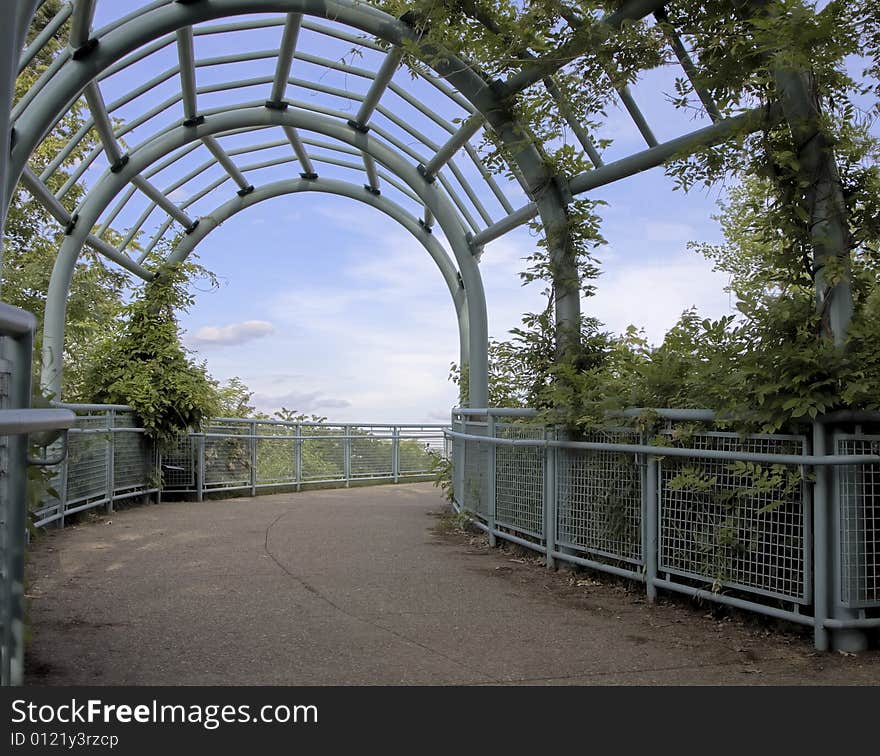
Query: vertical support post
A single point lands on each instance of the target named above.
(550, 494)
(298, 456)
(852, 640)
(62, 493)
(346, 456)
(395, 454)
(111, 454)
(18, 350)
(200, 467)
(458, 460)
(491, 498)
(650, 513)
(253, 476)
(820, 543)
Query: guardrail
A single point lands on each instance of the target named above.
(110, 459)
(257, 454)
(17, 420)
(787, 525)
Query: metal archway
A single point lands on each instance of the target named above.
(422, 170)
(114, 181)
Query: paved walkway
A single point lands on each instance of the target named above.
(359, 587)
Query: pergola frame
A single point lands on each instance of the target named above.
(420, 170)
(417, 173)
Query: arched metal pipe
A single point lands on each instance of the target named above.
(144, 156)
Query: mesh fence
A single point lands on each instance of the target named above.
(134, 457)
(88, 447)
(599, 500)
(372, 452)
(475, 482)
(859, 491)
(276, 454)
(178, 464)
(323, 453)
(420, 448)
(228, 455)
(519, 481)
(736, 524)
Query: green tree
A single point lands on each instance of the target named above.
(147, 367)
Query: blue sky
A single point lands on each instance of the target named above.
(328, 306)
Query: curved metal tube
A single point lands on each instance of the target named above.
(111, 184)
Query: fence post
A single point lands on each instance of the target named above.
(395, 453)
(550, 493)
(253, 475)
(650, 512)
(62, 490)
(111, 453)
(298, 456)
(850, 639)
(459, 460)
(346, 456)
(491, 498)
(200, 467)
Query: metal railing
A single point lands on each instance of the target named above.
(17, 421)
(257, 454)
(109, 458)
(769, 523)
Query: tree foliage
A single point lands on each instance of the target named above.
(769, 365)
(147, 367)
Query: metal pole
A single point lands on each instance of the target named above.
(395, 454)
(253, 447)
(650, 512)
(851, 640)
(551, 493)
(111, 452)
(346, 456)
(200, 467)
(297, 457)
(820, 543)
(491, 497)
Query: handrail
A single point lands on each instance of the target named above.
(674, 451)
(19, 421)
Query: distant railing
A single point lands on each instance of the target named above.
(252, 455)
(109, 459)
(787, 525)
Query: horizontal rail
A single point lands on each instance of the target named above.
(675, 451)
(20, 421)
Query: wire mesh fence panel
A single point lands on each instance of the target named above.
(475, 496)
(419, 450)
(738, 525)
(87, 464)
(859, 492)
(276, 460)
(599, 500)
(519, 481)
(134, 456)
(227, 462)
(372, 456)
(323, 453)
(177, 463)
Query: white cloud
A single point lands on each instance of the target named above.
(653, 295)
(232, 334)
